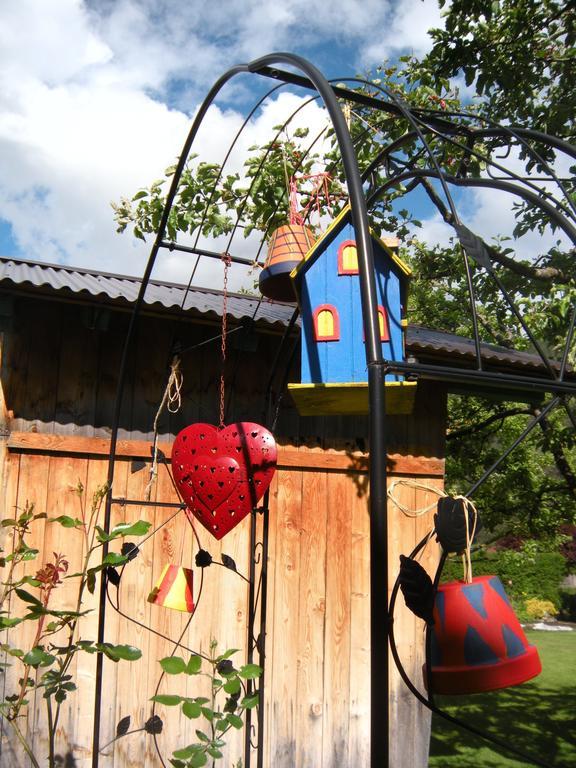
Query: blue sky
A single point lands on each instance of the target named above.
(96, 98)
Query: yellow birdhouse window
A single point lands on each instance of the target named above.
(383, 322)
(348, 258)
(326, 323)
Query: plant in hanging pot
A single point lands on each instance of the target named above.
(290, 243)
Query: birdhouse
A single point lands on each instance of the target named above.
(334, 377)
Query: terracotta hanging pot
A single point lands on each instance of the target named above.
(477, 641)
(287, 247)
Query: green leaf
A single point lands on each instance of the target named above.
(186, 753)
(250, 671)
(91, 581)
(123, 726)
(173, 665)
(114, 558)
(127, 652)
(213, 752)
(139, 528)
(227, 654)
(202, 736)
(249, 702)
(167, 699)
(28, 598)
(8, 523)
(37, 657)
(29, 554)
(191, 709)
(235, 721)
(117, 652)
(66, 521)
(194, 665)
(198, 760)
(5, 623)
(233, 685)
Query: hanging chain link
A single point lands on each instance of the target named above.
(227, 261)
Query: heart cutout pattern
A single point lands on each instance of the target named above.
(221, 474)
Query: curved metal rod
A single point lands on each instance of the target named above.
(511, 174)
(378, 523)
(518, 133)
(219, 176)
(406, 112)
(122, 380)
(505, 186)
(428, 703)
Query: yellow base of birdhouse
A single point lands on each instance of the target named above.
(351, 399)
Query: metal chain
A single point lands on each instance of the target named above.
(227, 261)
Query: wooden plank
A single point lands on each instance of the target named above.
(286, 511)
(41, 381)
(422, 717)
(287, 456)
(401, 540)
(111, 693)
(86, 663)
(32, 488)
(132, 697)
(65, 474)
(308, 655)
(336, 726)
(409, 744)
(350, 399)
(77, 377)
(359, 739)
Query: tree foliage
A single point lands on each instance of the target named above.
(519, 56)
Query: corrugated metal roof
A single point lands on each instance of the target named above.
(121, 289)
(422, 341)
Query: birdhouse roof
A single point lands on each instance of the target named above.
(387, 244)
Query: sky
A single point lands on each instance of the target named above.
(97, 96)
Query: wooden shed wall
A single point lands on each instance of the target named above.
(58, 388)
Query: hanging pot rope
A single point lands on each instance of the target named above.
(419, 486)
(470, 513)
(469, 507)
(172, 400)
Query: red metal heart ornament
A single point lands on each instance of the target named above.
(223, 473)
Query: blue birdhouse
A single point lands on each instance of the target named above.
(334, 377)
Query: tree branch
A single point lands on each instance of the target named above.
(500, 416)
(557, 452)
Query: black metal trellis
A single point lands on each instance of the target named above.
(422, 123)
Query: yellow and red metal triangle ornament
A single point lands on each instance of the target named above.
(222, 472)
(174, 589)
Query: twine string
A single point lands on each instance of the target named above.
(469, 507)
(172, 400)
(419, 486)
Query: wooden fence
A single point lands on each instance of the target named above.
(316, 696)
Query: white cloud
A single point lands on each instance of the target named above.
(406, 29)
(85, 87)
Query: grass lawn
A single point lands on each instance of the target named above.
(538, 717)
